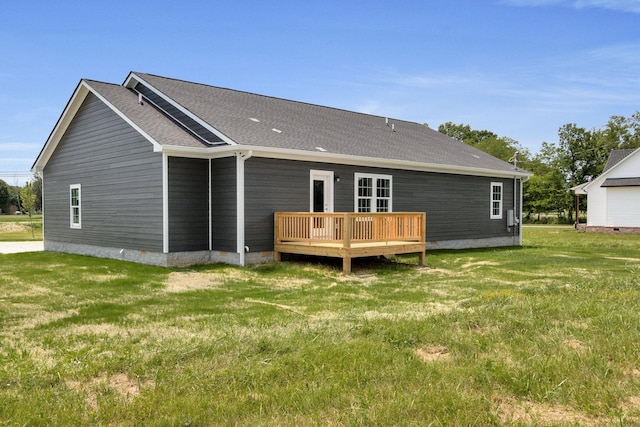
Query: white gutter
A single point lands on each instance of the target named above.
(344, 159)
(241, 157)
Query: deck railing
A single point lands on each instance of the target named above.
(349, 227)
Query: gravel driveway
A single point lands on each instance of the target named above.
(16, 247)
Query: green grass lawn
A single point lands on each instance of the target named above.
(18, 228)
(547, 334)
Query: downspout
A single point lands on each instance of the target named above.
(210, 210)
(516, 226)
(240, 238)
(165, 203)
(520, 215)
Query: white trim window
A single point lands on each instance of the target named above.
(373, 192)
(496, 200)
(75, 206)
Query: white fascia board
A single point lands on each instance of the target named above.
(69, 112)
(67, 116)
(133, 79)
(288, 154)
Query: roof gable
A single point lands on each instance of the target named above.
(150, 123)
(621, 165)
(196, 120)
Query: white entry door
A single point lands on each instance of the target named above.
(321, 191)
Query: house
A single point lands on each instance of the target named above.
(614, 196)
(170, 172)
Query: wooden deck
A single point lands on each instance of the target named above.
(349, 235)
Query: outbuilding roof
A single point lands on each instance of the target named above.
(615, 157)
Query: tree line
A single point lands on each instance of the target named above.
(26, 199)
(579, 156)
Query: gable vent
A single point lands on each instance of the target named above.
(177, 116)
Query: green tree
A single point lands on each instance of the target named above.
(487, 141)
(28, 199)
(36, 185)
(464, 133)
(553, 193)
(4, 196)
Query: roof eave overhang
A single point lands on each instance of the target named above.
(324, 157)
(580, 189)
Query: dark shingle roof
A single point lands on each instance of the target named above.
(159, 127)
(616, 156)
(305, 127)
(621, 182)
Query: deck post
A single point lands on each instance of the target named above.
(421, 257)
(348, 230)
(346, 264)
(423, 238)
(276, 237)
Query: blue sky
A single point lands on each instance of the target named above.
(519, 68)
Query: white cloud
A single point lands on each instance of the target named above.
(631, 6)
(18, 146)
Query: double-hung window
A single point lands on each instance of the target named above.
(373, 192)
(75, 206)
(496, 200)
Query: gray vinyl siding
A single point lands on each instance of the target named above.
(121, 179)
(223, 204)
(188, 204)
(457, 206)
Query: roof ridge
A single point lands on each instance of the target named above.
(100, 81)
(397, 120)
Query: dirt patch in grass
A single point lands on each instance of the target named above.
(632, 372)
(630, 404)
(194, 281)
(14, 227)
(120, 384)
(433, 354)
(510, 412)
(575, 344)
